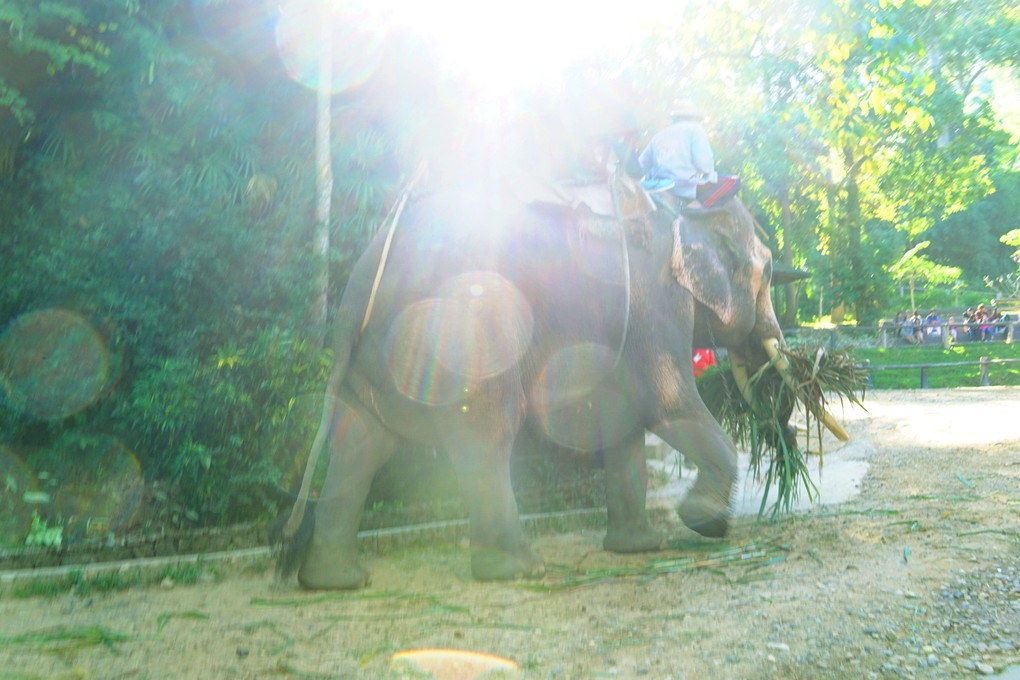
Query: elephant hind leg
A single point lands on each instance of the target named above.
(360, 446)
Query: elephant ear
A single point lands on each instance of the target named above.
(711, 259)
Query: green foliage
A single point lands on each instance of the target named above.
(776, 458)
(77, 582)
(915, 268)
(42, 534)
(110, 581)
(171, 205)
(184, 573)
(58, 32)
(219, 423)
(972, 239)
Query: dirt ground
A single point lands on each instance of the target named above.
(918, 576)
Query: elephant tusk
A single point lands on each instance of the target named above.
(771, 346)
(739, 370)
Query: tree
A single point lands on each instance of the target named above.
(1008, 285)
(915, 269)
(47, 50)
(1012, 238)
(52, 39)
(839, 114)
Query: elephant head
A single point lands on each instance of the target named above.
(719, 258)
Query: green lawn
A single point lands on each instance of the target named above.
(950, 376)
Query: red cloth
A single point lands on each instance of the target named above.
(713, 192)
(703, 360)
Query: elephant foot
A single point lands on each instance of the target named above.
(490, 564)
(644, 540)
(705, 517)
(337, 577)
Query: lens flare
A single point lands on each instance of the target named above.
(577, 401)
(451, 664)
(18, 490)
(53, 363)
(412, 349)
(101, 490)
(355, 35)
(478, 327)
(488, 324)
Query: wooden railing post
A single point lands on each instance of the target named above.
(985, 378)
(924, 377)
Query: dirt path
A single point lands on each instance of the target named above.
(917, 577)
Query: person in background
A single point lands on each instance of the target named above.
(971, 323)
(1005, 322)
(953, 329)
(906, 330)
(982, 319)
(916, 326)
(933, 325)
(995, 321)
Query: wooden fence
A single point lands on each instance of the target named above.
(984, 362)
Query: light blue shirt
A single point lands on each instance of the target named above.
(680, 153)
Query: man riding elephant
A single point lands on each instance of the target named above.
(679, 162)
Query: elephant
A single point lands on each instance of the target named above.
(477, 313)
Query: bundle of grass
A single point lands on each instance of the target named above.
(763, 427)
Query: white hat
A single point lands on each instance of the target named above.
(685, 108)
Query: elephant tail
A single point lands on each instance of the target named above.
(289, 551)
(291, 535)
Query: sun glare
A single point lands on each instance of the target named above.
(501, 48)
(496, 50)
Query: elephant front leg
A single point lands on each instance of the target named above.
(626, 485)
(705, 509)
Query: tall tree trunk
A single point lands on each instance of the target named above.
(789, 319)
(832, 208)
(323, 175)
(852, 220)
